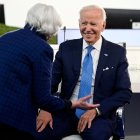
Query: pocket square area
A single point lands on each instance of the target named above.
(107, 68)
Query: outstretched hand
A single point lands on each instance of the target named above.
(83, 104)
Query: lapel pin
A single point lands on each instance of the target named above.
(105, 54)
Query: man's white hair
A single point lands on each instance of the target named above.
(95, 7)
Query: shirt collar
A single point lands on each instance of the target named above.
(97, 45)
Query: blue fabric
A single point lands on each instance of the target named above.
(111, 87)
(25, 79)
(112, 81)
(86, 78)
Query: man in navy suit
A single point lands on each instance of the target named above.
(25, 75)
(111, 86)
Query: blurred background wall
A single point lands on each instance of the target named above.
(16, 10)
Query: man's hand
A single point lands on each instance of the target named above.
(43, 119)
(81, 103)
(86, 119)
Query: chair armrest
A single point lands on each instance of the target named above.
(120, 123)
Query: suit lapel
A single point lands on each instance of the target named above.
(104, 56)
(77, 56)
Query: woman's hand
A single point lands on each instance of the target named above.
(81, 103)
(44, 118)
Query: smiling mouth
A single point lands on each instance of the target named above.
(88, 35)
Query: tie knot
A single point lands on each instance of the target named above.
(89, 48)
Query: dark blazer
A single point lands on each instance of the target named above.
(25, 79)
(112, 84)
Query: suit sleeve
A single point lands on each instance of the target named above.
(42, 70)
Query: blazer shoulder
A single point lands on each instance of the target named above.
(116, 46)
(72, 41)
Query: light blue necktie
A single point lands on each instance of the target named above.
(86, 78)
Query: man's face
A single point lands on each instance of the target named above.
(91, 25)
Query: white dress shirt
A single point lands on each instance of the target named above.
(95, 56)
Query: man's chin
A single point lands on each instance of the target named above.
(88, 40)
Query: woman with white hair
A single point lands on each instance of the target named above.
(25, 75)
(44, 19)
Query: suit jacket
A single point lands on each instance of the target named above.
(25, 79)
(112, 83)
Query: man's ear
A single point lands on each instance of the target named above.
(79, 22)
(104, 25)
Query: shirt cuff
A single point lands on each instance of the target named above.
(98, 111)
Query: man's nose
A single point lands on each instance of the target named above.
(88, 27)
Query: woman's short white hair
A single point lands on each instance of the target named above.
(44, 18)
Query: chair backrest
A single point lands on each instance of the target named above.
(123, 44)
